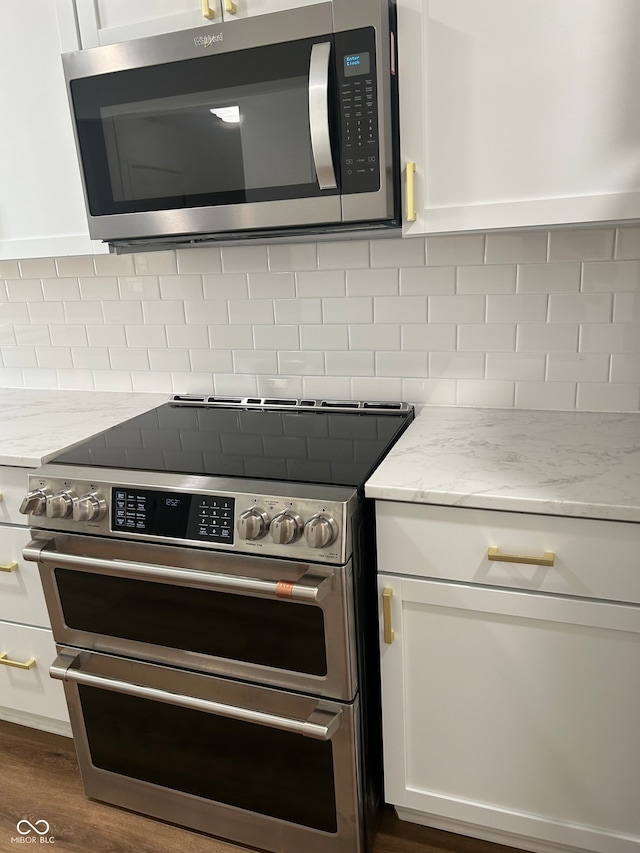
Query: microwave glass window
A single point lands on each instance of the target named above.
(226, 128)
(224, 140)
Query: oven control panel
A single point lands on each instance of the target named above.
(314, 527)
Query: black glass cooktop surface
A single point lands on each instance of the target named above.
(340, 448)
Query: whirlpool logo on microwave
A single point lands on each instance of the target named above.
(207, 41)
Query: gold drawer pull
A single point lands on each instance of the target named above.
(230, 7)
(4, 660)
(8, 567)
(207, 11)
(546, 560)
(388, 632)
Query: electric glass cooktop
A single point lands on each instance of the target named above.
(306, 442)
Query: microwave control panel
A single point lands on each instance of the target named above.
(357, 93)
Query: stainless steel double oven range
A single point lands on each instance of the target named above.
(209, 570)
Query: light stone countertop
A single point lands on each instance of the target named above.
(557, 463)
(35, 425)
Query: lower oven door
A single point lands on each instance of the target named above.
(276, 622)
(262, 767)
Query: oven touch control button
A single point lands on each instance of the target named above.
(60, 505)
(90, 507)
(286, 527)
(252, 524)
(320, 531)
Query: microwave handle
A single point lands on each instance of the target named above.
(319, 115)
(321, 725)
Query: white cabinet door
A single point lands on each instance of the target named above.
(110, 21)
(520, 113)
(513, 712)
(41, 206)
(234, 9)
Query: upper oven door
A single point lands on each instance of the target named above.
(280, 623)
(226, 128)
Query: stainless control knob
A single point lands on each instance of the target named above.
(35, 502)
(90, 507)
(252, 524)
(60, 505)
(286, 527)
(320, 531)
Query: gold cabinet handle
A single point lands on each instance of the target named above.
(8, 567)
(207, 11)
(547, 558)
(410, 174)
(4, 660)
(387, 595)
(230, 7)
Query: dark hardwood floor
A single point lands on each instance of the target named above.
(39, 780)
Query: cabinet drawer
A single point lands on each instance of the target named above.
(592, 558)
(13, 488)
(30, 691)
(21, 595)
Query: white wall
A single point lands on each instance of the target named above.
(529, 319)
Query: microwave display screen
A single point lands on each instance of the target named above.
(356, 63)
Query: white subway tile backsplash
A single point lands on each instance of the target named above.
(518, 308)
(425, 281)
(577, 367)
(487, 337)
(382, 282)
(523, 247)
(457, 309)
(525, 319)
(24, 290)
(147, 335)
(611, 277)
(627, 244)
(548, 278)
(292, 256)
(278, 337)
(375, 337)
(487, 279)
(188, 336)
(398, 252)
(545, 395)
(61, 289)
(583, 244)
(607, 397)
(180, 287)
(321, 284)
(350, 363)
(547, 337)
(400, 309)
(321, 337)
(139, 287)
(38, 268)
(580, 308)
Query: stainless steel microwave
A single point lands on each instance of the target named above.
(278, 125)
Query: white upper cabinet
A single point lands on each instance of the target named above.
(42, 211)
(520, 112)
(110, 21)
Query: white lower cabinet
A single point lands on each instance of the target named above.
(28, 695)
(509, 714)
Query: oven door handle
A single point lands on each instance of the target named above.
(320, 725)
(313, 586)
(319, 114)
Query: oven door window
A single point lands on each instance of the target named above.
(225, 128)
(262, 770)
(237, 627)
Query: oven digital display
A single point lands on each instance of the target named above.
(204, 518)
